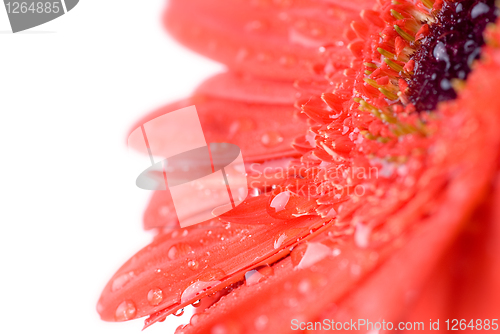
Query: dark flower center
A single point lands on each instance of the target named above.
(448, 52)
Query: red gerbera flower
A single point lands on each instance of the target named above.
(389, 210)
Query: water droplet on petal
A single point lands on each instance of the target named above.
(279, 241)
(255, 276)
(155, 296)
(261, 322)
(314, 252)
(280, 201)
(219, 329)
(193, 265)
(362, 235)
(121, 281)
(304, 286)
(195, 289)
(311, 138)
(230, 327)
(178, 250)
(179, 312)
(479, 9)
(292, 302)
(271, 138)
(164, 211)
(125, 311)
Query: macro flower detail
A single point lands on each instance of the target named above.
(376, 197)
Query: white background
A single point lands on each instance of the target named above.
(69, 92)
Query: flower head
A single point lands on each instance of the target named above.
(388, 207)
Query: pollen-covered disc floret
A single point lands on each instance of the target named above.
(447, 52)
(376, 128)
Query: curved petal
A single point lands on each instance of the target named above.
(277, 39)
(185, 265)
(248, 89)
(465, 283)
(262, 131)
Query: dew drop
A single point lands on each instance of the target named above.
(279, 241)
(255, 276)
(178, 250)
(195, 289)
(362, 235)
(155, 296)
(311, 138)
(254, 192)
(261, 322)
(315, 252)
(228, 327)
(193, 264)
(304, 286)
(445, 84)
(121, 281)
(479, 9)
(292, 302)
(441, 54)
(164, 211)
(179, 312)
(271, 138)
(219, 329)
(331, 213)
(280, 201)
(125, 311)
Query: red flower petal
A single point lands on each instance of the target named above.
(230, 86)
(265, 38)
(188, 264)
(271, 126)
(465, 283)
